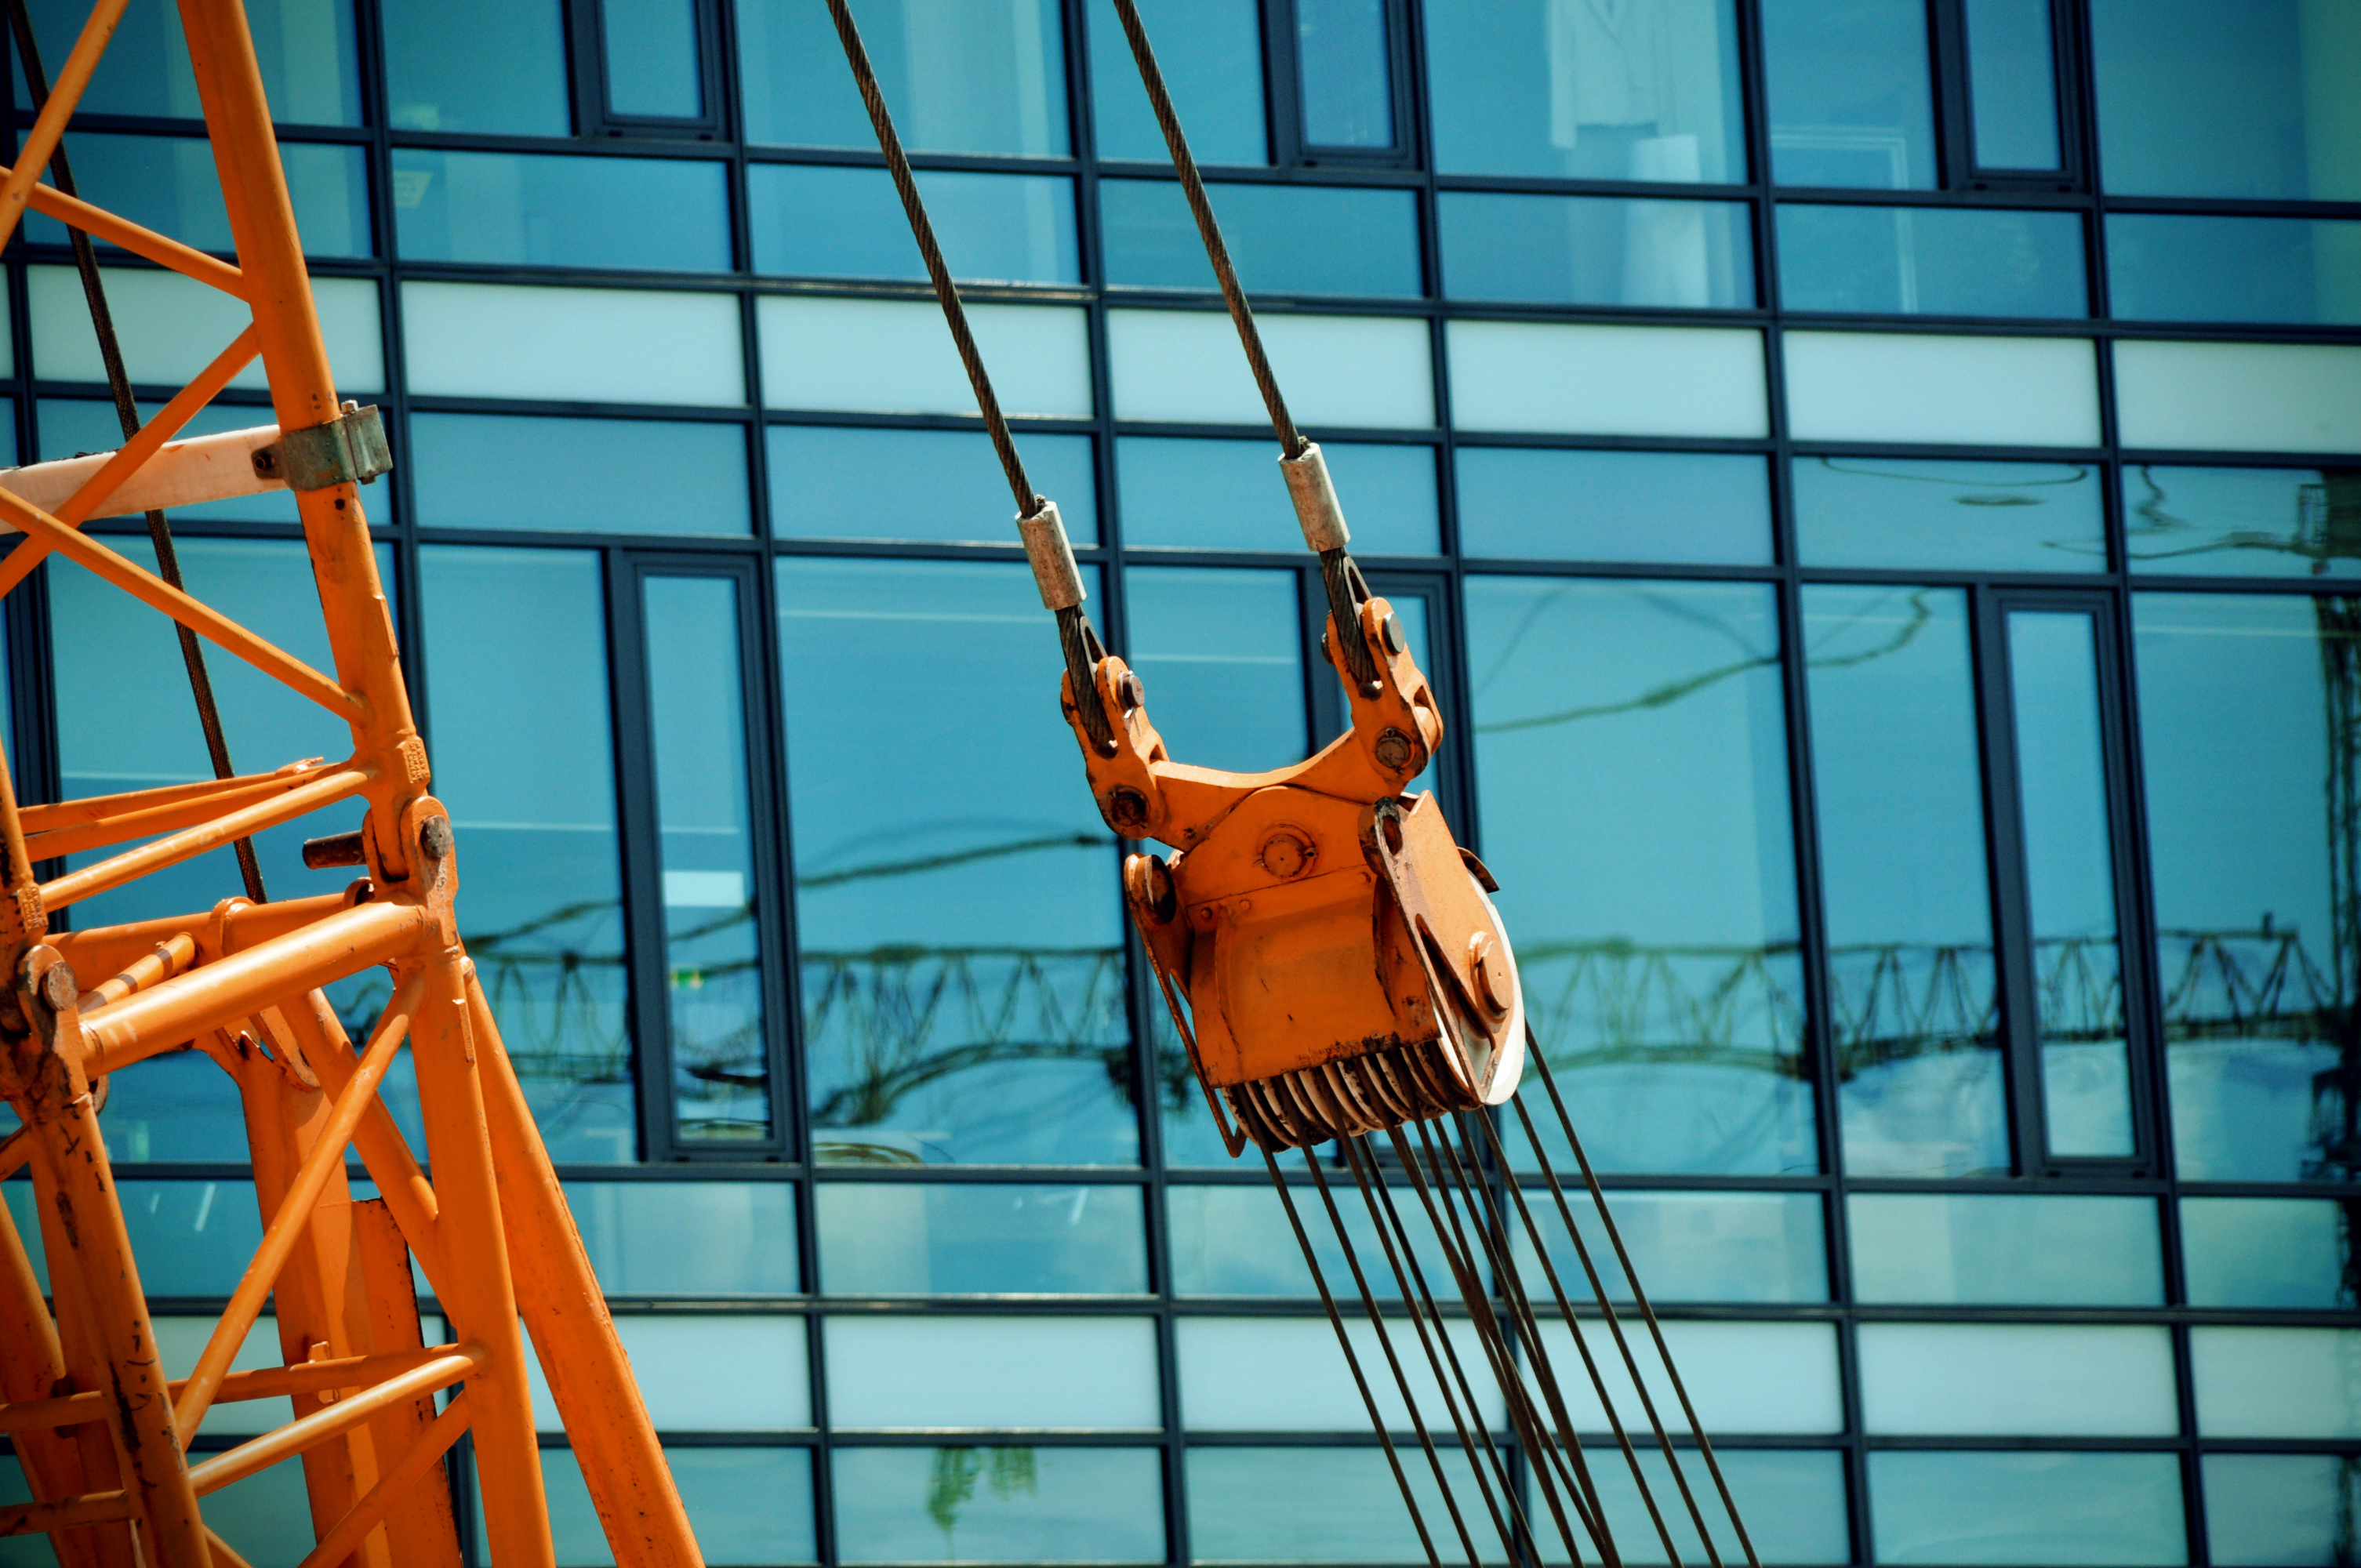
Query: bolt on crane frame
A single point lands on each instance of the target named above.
(101, 1432)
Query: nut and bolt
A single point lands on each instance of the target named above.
(1492, 987)
(1127, 811)
(1130, 693)
(59, 990)
(1394, 750)
(1391, 628)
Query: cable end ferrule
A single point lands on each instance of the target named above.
(1052, 558)
(1316, 507)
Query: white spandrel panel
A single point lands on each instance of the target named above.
(962, 1371)
(896, 357)
(2017, 1380)
(171, 327)
(1940, 389)
(768, 1388)
(2239, 397)
(2277, 1382)
(607, 345)
(1564, 379)
(1356, 372)
(1286, 1374)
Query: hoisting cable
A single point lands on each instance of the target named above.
(1046, 546)
(1306, 471)
(126, 410)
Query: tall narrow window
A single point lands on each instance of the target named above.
(2012, 84)
(1345, 59)
(654, 59)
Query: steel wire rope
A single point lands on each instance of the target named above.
(1344, 1342)
(1639, 1294)
(126, 410)
(1076, 640)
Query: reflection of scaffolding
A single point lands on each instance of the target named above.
(2336, 1092)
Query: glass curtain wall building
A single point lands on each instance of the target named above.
(1877, 484)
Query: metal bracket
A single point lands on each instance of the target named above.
(348, 450)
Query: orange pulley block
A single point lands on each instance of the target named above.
(1327, 950)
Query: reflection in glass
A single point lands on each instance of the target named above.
(306, 49)
(2187, 267)
(516, 680)
(1313, 1505)
(577, 475)
(963, 961)
(535, 210)
(652, 58)
(673, 1239)
(1346, 54)
(906, 1238)
(1286, 239)
(2242, 523)
(2266, 1509)
(2226, 98)
(1850, 94)
(2251, 699)
(170, 184)
(1595, 250)
(999, 1505)
(1548, 504)
(193, 1238)
(1914, 1009)
(1221, 652)
(1950, 515)
(748, 1506)
(818, 221)
(2012, 84)
(2074, 1510)
(1997, 1249)
(491, 69)
(1194, 493)
(1211, 54)
(846, 482)
(713, 971)
(1236, 1241)
(2070, 884)
(1586, 92)
(987, 77)
(1793, 1502)
(1630, 742)
(2269, 1252)
(1934, 262)
(1691, 1246)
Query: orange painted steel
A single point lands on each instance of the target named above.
(98, 1423)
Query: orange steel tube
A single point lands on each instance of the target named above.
(243, 823)
(214, 994)
(261, 1383)
(100, 224)
(105, 948)
(294, 1213)
(367, 1514)
(197, 616)
(384, 1152)
(589, 1376)
(95, 1507)
(62, 1411)
(169, 958)
(15, 1150)
(165, 818)
(86, 810)
(309, 1432)
(127, 460)
(73, 77)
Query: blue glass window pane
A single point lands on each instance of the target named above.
(2072, 1510)
(170, 184)
(654, 67)
(2242, 523)
(988, 77)
(1286, 239)
(1931, 261)
(905, 1238)
(1197, 494)
(2193, 267)
(1236, 1241)
(2242, 699)
(70, 425)
(1792, 1503)
(1586, 92)
(1545, 504)
(2012, 517)
(675, 1239)
(305, 49)
(1913, 1003)
(531, 210)
(993, 883)
(579, 476)
(2012, 84)
(1221, 652)
(525, 754)
(2224, 98)
(1211, 54)
(1000, 1504)
(814, 220)
(840, 482)
(1595, 250)
(748, 1506)
(193, 1238)
(1655, 707)
(1850, 94)
(489, 69)
(2268, 1252)
(1313, 1505)
(1344, 50)
(2265, 1510)
(1997, 1249)
(1687, 1246)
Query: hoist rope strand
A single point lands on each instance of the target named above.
(1345, 1342)
(126, 410)
(1384, 1343)
(1192, 185)
(1639, 1294)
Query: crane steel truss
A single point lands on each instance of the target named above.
(102, 1433)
